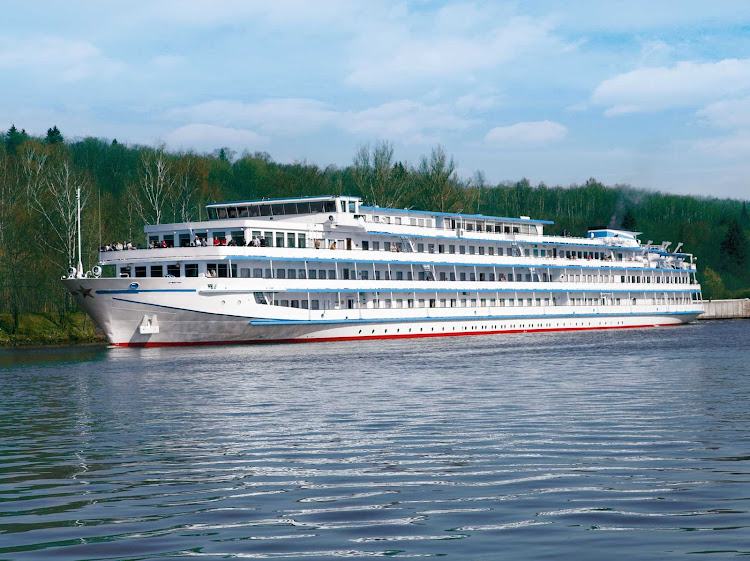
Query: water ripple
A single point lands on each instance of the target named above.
(552, 446)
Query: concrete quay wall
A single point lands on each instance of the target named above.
(726, 309)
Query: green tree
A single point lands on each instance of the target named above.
(734, 246)
(54, 136)
(628, 221)
(14, 139)
(712, 285)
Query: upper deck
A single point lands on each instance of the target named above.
(343, 223)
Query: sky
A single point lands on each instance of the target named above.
(655, 94)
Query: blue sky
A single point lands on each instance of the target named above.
(651, 93)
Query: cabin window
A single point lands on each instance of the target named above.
(420, 247)
(376, 246)
(124, 272)
(314, 304)
(173, 270)
(291, 273)
(442, 276)
(472, 277)
(140, 271)
(462, 249)
(321, 274)
(238, 237)
(313, 274)
(290, 240)
(212, 213)
(184, 240)
(332, 274)
(451, 249)
(191, 269)
(280, 273)
(365, 274)
(267, 239)
(157, 271)
(301, 274)
(397, 221)
(279, 239)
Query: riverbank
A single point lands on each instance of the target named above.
(735, 308)
(43, 329)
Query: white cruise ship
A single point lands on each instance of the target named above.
(329, 268)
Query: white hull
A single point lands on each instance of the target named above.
(171, 312)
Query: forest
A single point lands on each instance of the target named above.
(126, 186)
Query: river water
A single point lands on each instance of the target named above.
(628, 444)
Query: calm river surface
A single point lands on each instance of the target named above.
(629, 444)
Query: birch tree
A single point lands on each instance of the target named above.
(380, 181)
(154, 190)
(53, 198)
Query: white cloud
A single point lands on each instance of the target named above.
(67, 59)
(476, 102)
(736, 145)
(289, 116)
(400, 55)
(526, 133)
(683, 85)
(728, 114)
(209, 137)
(404, 120)
(168, 62)
(283, 13)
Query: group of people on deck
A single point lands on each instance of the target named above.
(117, 246)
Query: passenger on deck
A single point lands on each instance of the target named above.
(256, 241)
(217, 241)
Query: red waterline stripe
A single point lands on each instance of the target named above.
(374, 337)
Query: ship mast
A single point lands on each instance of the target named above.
(78, 220)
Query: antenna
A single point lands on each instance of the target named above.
(78, 215)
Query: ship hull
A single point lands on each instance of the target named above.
(180, 312)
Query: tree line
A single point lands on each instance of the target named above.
(125, 187)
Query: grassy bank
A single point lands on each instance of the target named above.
(44, 329)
